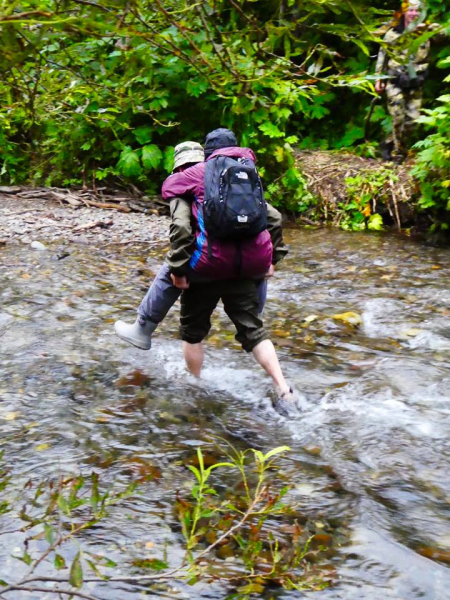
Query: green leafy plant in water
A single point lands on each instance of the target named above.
(62, 512)
(5, 478)
(244, 522)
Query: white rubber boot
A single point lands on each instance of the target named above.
(138, 334)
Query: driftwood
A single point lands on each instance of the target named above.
(107, 205)
(93, 225)
(9, 189)
(100, 198)
(69, 198)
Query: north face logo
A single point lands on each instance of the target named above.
(233, 205)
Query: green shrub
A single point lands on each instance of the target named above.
(432, 166)
(105, 90)
(368, 191)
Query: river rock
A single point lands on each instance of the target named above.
(37, 245)
(349, 318)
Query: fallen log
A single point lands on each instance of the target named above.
(76, 199)
(107, 205)
(10, 189)
(69, 198)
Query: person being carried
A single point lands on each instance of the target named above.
(181, 266)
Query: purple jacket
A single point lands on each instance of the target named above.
(221, 261)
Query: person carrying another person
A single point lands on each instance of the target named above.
(163, 293)
(406, 69)
(233, 250)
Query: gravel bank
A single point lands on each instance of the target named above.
(46, 221)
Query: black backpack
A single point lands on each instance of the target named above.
(234, 206)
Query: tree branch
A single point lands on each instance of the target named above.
(230, 68)
(71, 593)
(176, 51)
(249, 19)
(163, 576)
(184, 34)
(89, 3)
(236, 526)
(31, 13)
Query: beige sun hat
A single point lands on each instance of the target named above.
(188, 152)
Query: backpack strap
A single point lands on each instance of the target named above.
(201, 238)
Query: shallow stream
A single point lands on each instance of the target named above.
(369, 459)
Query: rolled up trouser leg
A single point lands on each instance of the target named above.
(160, 297)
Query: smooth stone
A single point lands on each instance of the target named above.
(38, 246)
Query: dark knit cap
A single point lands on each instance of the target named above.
(219, 138)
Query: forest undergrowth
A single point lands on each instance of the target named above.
(99, 93)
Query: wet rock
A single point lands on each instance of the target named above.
(31, 221)
(349, 318)
(435, 554)
(170, 418)
(312, 450)
(321, 539)
(38, 245)
(225, 552)
(82, 239)
(61, 254)
(134, 379)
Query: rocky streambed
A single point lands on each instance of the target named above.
(360, 322)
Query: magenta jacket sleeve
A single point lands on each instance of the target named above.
(184, 183)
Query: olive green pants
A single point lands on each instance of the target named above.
(240, 301)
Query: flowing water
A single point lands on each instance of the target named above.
(369, 459)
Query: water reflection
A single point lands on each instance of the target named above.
(370, 457)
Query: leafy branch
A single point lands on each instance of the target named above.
(71, 505)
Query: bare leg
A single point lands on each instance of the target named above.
(194, 356)
(265, 354)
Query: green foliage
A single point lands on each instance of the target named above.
(370, 189)
(105, 90)
(241, 523)
(5, 505)
(129, 164)
(61, 512)
(432, 166)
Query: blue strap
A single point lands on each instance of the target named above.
(200, 239)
